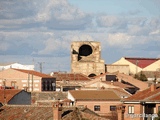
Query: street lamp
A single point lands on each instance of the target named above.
(4, 94)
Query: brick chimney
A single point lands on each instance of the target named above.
(57, 111)
(120, 111)
(153, 87)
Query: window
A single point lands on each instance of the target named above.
(13, 83)
(130, 109)
(112, 108)
(97, 108)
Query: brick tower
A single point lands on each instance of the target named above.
(86, 58)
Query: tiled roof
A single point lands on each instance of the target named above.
(142, 62)
(146, 95)
(8, 93)
(71, 77)
(34, 73)
(129, 79)
(26, 113)
(94, 95)
(119, 84)
(120, 92)
(76, 114)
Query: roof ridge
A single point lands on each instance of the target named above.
(155, 94)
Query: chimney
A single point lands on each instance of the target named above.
(112, 82)
(57, 111)
(120, 111)
(153, 87)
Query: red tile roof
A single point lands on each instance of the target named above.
(142, 62)
(94, 95)
(34, 73)
(26, 112)
(146, 95)
(71, 76)
(76, 114)
(8, 93)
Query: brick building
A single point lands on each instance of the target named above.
(103, 102)
(144, 105)
(27, 79)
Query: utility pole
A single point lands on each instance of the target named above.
(40, 66)
(137, 66)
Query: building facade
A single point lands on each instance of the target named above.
(139, 64)
(16, 66)
(86, 58)
(27, 79)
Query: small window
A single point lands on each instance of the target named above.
(13, 83)
(130, 109)
(112, 108)
(97, 108)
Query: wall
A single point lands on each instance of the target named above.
(133, 69)
(121, 68)
(87, 64)
(22, 79)
(104, 106)
(138, 109)
(153, 67)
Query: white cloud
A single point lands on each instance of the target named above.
(4, 46)
(83, 37)
(120, 40)
(156, 32)
(111, 21)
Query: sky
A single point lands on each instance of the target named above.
(41, 31)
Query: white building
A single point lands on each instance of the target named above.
(16, 65)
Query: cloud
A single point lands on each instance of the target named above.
(120, 40)
(111, 21)
(46, 28)
(53, 14)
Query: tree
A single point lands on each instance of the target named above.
(141, 77)
(158, 118)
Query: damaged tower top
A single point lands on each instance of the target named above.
(86, 58)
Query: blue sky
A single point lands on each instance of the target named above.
(42, 30)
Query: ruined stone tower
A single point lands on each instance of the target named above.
(86, 58)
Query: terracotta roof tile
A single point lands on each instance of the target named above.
(34, 73)
(71, 77)
(26, 112)
(142, 62)
(8, 93)
(76, 114)
(145, 95)
(94, 95)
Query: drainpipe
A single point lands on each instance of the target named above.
(143, 110)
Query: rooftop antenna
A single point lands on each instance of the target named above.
(40, 66)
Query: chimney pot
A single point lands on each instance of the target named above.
(153, 87)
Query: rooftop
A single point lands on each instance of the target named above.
(71, 77)
(146, 95)
(33, 72)
(95, 95)
(142, 62)
(8, 93)
(10, 112)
